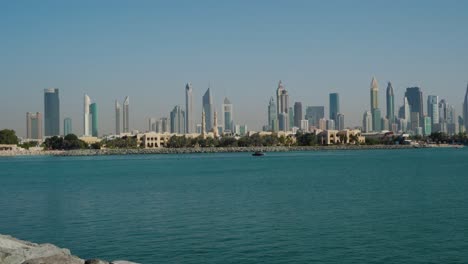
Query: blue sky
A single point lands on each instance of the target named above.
(149, 49)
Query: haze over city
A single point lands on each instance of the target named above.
(149, 50)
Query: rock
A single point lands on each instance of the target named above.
(57, 259)
(95, 261)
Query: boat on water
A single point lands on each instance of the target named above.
(258, 154)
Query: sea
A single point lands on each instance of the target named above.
(349, 206)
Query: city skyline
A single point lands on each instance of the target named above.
(143, 51)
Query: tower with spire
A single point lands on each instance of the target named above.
(465, 109)
(390, 104)
(374, 103)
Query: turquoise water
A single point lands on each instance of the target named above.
(397, 206)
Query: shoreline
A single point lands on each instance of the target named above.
(107, 152)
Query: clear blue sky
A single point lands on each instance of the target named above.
(149, 49)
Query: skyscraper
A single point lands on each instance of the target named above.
(279, 93)
(374, 100)
(93, 109)
(117, 117)
(189, 127)
(415, 100)
(177, 120)
(465, 109)
(67, 126)
(298, 114)
(207, 103)
(367, 122)
(126, 115)
(282, 104)
(272, 115)
(334, 106)
(433, 109)
(227, 116)
(339, 124)
(86, 116)
(314, 114)
(291, 117)
(33, 125)
(51, 112)
(390, 104)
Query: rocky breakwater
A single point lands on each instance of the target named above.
(90, 152)
(15, 251)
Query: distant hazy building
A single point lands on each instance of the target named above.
(415, 100)
(322, 124)
(177, 120)
(374, 103)
(304, 125)
(126, 115)
(298, 114)
(227, 116)
(33, 125)
(433, 109)
(272, 116)
(118, 109)
(67, 126)
(314, 114)
(384, 124)
(414, 121)
(94, 120)
(427, 125)
(282, 99)
(367, 122)
(51, 112)
(291, 117)
(340, 121)
(164, 125)
(390, 104)
(334, 106)
(330, 124)
(376, 120)
(208, 107)
(86, 116)
(465, 109)
(283, 121)
(189, 125)
(152, 125)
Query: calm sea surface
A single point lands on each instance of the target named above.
(396, 206)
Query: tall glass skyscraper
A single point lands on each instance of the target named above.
(390, 104)
(314, 114)
(334, 106)
(374, 100)
(189, 127)
(298, 114)
(51, 112)
(33, 125)
(272, 115)
(86, 116)
(177, 120)
(433, 109)
(117, 117)
(227, 116)
(415, 100)
(207, 103)
(67, 126)
(465, 109)
(126, 115)
(93, 109)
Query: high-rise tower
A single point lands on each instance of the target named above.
(51, 112)
(415, 100)
(390, 104)
(208, 108)
(177, 120)
(298, 114)
(433, 109)
(118, 109)
(272, 116)
(33, 125)
(374, 100)
(334, 106)
(227, 115)
(188, 109)
(126, 115)
(86, 116)
(465, 109)
(93, 110)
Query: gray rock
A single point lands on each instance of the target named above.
(57, 259)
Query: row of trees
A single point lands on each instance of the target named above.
(8, 136)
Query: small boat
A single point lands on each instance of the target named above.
(258, 154)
